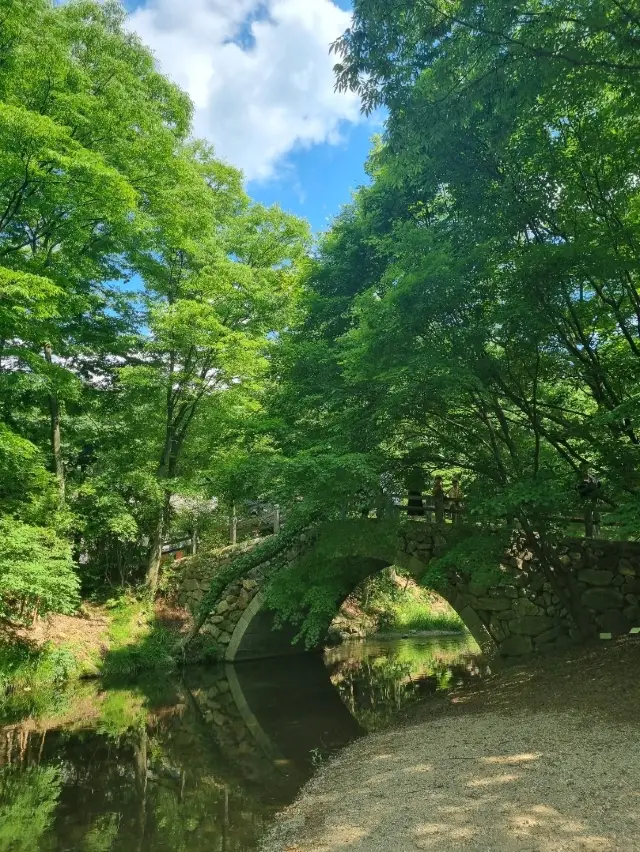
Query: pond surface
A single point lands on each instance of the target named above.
(201, 763)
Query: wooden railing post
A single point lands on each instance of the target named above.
(233, 525)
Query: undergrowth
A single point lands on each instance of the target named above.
(418, 615)
(139, 643)
(399, 605)
(31, 679)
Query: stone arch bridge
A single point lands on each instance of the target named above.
(517, 612)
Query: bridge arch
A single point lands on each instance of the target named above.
(517, 611)
(256, 634)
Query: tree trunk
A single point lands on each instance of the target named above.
(157, 540)
(194, 539)
(56, 439)
(155, 556)
(141, 778)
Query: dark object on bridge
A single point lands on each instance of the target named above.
(438, 499)
(415, 486)
(415, 505)
(589, 488)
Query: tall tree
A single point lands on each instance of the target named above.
(220, 280)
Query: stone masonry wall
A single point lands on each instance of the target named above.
(524, 614)
(518, 612)
(195, 578)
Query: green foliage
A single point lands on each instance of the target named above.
(475, 309)
(28, 799)
(121, 712)
(476, 556)
(418, 616)
(333, 562)
(31, 680)
(137, 643)
(259, 554)
(36, 573)
(24, 480)
(102, 835)
(399, 606)
(300, 596)
(148, 653)
(129, 396)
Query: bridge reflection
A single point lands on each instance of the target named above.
(202, 762)
(271, 718)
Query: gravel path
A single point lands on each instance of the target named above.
(509, 779)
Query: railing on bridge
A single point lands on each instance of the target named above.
(452, 510)
(446, 510)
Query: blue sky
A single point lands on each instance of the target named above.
(321, 179)
(261, 78)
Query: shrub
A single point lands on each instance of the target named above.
(32, 680)
(37, 573)
(151, 653)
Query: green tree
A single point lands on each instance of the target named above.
(220, 281)
(100, 182)
(36, 571)
(475, 310)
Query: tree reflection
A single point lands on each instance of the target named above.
(381, 681)
(126, 774)
(174, 767)
(28, 799)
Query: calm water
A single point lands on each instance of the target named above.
(202, 764)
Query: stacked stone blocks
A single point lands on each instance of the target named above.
(517, 610)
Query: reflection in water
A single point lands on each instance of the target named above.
(201, 764)
(379, 678)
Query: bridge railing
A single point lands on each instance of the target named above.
(452, 510)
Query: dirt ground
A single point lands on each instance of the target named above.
(87, 632)
(538, 758)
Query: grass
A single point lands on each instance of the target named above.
(31, 678)
(129, 640)
(399, 605)
(414, 614)
(139, 642)
(130, 616)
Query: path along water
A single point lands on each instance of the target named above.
(542, 757)
(202, 762)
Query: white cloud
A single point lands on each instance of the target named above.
(259, 73)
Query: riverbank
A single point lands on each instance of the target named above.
(116, 640)
(543, 757)
(128, 635)
(393, 605)
(119, 638)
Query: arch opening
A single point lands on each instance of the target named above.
(393, 603)
(257, 636)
